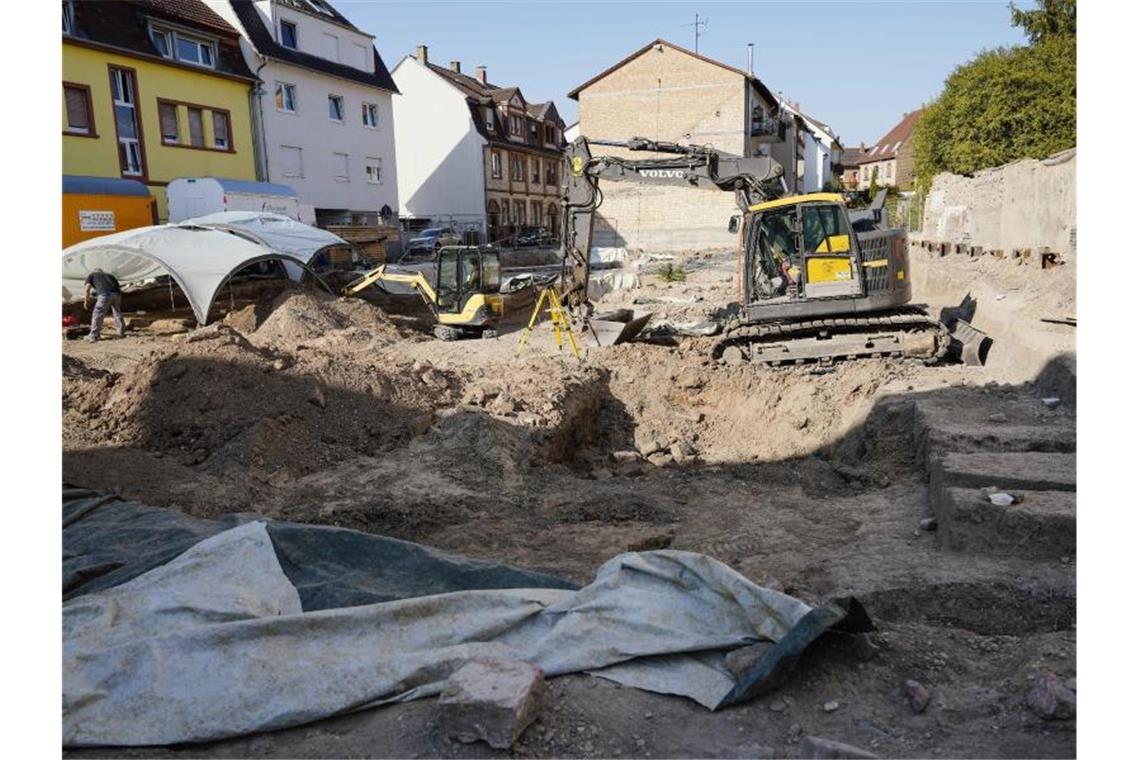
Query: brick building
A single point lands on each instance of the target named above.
(892, 157)
(475, 155)
(665, 92)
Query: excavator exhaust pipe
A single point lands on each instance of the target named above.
(614, 327)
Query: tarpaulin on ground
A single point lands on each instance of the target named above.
(260, 625)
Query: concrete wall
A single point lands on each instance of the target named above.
(1025, 204)
(439, 151)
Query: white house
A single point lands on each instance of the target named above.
(822, 151)
(474, 155)
(323, 113)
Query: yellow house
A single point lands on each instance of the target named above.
(154, 90)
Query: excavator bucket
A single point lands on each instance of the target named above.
(615, 327)
(969, 344)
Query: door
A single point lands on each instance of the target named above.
(831, 265)
(447, 281)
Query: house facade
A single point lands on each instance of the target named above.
(665, 92)
(154, 90)
(822, 153)
(475, 155)
(323, 111)
(890, 161)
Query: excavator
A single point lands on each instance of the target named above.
(817, 284)
(462, 292)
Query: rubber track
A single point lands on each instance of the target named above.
(774, 332)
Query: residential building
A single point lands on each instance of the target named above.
(890, 161)
(849, 166)
(323, 113)
(665, 92)
(154, 90)
(821, 152)
(474, 154)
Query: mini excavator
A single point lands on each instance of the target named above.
(817, 283)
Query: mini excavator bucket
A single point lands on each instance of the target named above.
(621, 326)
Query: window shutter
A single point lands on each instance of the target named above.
(168, 116)
(197, 134)
(77, 116)
(221, 130)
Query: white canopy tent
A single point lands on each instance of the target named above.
(199, 259)
(274, 231)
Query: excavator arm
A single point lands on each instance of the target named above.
(753, 180)
(383, 273)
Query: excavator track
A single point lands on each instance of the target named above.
(907, 333)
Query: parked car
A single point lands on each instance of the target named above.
(432, 239)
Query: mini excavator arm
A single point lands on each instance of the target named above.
(753, 180)
(383, 273)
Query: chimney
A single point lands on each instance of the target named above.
(481, 74)
(454, 66)
(862, 146)
(750, 59)
(421, 54)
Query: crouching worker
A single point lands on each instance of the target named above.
(108, 295)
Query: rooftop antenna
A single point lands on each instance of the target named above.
(697, 25)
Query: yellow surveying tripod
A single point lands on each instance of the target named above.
(558, 318)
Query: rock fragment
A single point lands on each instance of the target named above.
(817, 748)
(917, 695)
(1051, 699)
(491, 700)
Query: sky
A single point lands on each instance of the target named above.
(857, 65)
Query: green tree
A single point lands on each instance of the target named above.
(1053, 18)
(873, 188)
(1006, 104)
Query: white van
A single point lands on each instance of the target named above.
(188, 197)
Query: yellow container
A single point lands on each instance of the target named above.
(94, 206)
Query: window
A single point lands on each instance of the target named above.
(168, 122)
(336, 108)
(77, 101)
(534, 131)
(496, 164)
(516, 123)
(516, 169)
(520, 212)
(125, 99)
(221, 129)
(369, 113)
(373, 171)
(535, 170)
(536, 213)
(197, 131)
(183, 47)
(551, 173)
(361, 57)
(288, 35)
(489, 118)
(286, 95)
(68, 18)
(290, 161)
(340, 167)
(551, 136)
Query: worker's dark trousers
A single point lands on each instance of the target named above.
(102, 303)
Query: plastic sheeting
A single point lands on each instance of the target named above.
(199, 260)
(217, 642)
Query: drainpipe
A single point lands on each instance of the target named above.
(260, 152)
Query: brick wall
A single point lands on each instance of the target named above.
(665, 94)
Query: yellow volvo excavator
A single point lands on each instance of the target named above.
(817, 283)
(462, 292)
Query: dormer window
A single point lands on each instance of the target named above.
(183, 47)
(289, 35)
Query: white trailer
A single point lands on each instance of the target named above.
(189, 197)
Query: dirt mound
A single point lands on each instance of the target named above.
(306, 317)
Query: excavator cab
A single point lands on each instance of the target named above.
(467, 281)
